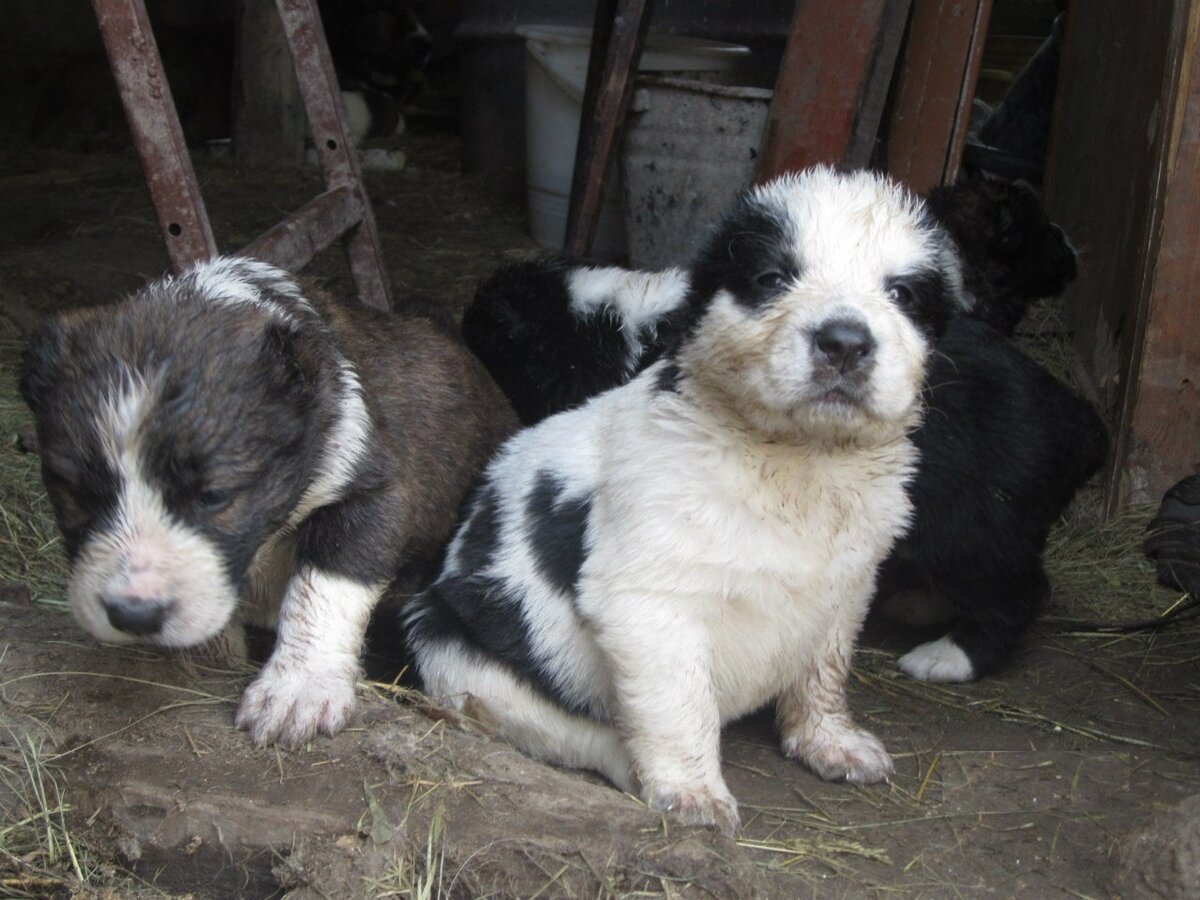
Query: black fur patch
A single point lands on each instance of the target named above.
(484, 616)
(924, 297)
(668, 377)
(1012, 253)
(542, 355)
(482, 533)
(750, 255)
(556, 531)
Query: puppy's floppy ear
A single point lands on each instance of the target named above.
(288, 351)
(42, 361)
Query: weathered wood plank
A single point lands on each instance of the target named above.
(832, 84)
(618, 36)
(934, 89)
(1122, 180)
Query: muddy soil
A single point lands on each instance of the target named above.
(1023, 783)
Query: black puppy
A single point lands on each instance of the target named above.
(1012, 254)
(1004, 447)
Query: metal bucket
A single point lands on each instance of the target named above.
(689, 151)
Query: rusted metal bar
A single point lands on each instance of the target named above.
(618, 36)
(157, 135)
(832, 84)
(327, 120)
(308, 231)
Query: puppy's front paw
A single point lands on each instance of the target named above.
(715, 808)
(849, 754)
(940, 660)
(288, 704)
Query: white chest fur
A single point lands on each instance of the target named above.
(762, 548)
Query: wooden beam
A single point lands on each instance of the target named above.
(157, 135)
(1122, 178)
(832, 84)
(934, 89)
(618, 35)
(297, 239)
(335, 148)
(1159, 422)
(268, 114)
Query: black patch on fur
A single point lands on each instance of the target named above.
(543, 356)
(556, 531)
(80, 483)
(668, 378)
(480, 613)
(482, 533)
(751, 244)
(924, 297)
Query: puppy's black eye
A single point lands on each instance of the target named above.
(772, 280)
(902, 295)
(212, 500)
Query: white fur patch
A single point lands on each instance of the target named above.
(308, 684)
(638, 299)
(940, 660)
(145, 556)
(232, 281)
(344, 448)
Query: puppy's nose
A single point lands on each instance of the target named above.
(843, 344)
(135, 615)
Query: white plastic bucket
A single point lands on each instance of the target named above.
(556, 65)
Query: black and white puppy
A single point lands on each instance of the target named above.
(1004, 447)
(703, 539)
(221, 447)
(554, 332)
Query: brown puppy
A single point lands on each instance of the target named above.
(221, 447)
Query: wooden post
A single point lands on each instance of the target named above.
(833, 83)
(934, 90)
(1123, 179)
(268, 114)
(618, 35)
(154, 124)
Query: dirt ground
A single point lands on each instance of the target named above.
(121, 774)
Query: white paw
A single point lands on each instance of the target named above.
(940, 660)
(289, 703)
(849, 754)
(714, 807)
